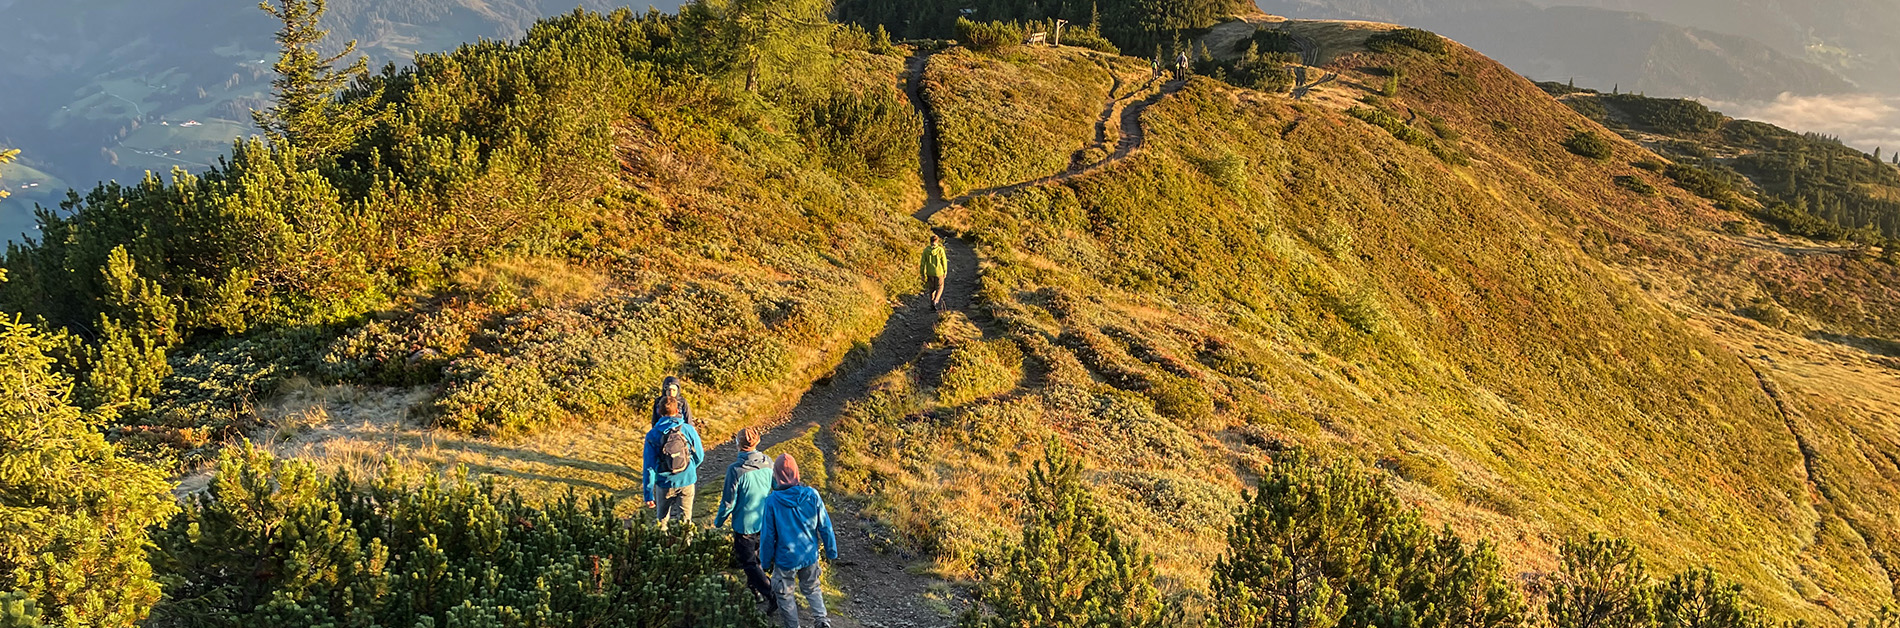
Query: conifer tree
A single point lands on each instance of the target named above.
(1699, 598)
(754, 37)
(307, 113)
(139, 323)
(1319, 547)
(1071, 569)
(1603, 584)
(73, 513)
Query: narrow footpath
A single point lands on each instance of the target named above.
(885, 585)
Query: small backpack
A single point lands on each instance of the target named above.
(677, 453)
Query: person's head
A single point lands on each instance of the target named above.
(670, 387)
(785, 472)
(670, 407)
(936, 240)
(747, 439)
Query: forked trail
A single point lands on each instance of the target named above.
(883, 583)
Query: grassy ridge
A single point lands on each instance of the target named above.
(1330, 286)
(1018, 117)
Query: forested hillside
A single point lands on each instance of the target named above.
(1397, 339)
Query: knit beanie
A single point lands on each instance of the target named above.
(785, 471)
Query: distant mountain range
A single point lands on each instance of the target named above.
(109, 89)
(1730, 51)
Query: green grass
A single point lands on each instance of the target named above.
(1018, 117)
(1359, 297)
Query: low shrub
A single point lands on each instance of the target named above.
(1184, 400)
(1589, 144)
(1323, 542)
(1412, 38)
(1070, 567)
(731, 362)
(1635, 184)
(988, 37)
(274, 543)
(980, 369)
(1268, 40)
(871, 133)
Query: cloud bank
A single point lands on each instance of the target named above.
(1863, 121)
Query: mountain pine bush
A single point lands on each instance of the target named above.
(274, 543)
(1589, 144)
(988, 37)
(1071, 569)
(1603, 584)
(73, 512)
(1324, 546)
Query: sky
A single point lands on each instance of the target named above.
(1863, 121)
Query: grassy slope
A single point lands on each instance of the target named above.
(1020, 116)
(1335, 288)
(717, 214)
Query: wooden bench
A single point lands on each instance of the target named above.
(1035, 38)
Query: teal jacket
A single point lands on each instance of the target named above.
(748, 482)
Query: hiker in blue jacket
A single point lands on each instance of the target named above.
(795, 522)
(671, 465)
(670, 389)
(742, 503)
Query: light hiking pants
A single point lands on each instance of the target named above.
(674, 504)
(806, 581)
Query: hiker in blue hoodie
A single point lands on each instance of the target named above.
(670, 389)
(795, 522)
(671, 464)
(742, 503)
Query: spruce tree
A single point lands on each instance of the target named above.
(307, 113)
(1071, 569)
(73, 512)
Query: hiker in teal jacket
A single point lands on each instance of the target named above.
(935, 266)
(795, 523)
(742, 503)
(674, 501)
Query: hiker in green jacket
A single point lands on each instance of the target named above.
(936, 265)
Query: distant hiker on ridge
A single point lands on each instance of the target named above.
(1181, 66)
(795, 521)
(671, 464)
(742, 502)
(670, 389)
(935, 266)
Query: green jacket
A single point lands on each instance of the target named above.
(935, 263)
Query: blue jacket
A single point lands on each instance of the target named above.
(794, 520)
(655, 465)
(748, 483)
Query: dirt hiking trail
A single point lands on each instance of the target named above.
(884, 584)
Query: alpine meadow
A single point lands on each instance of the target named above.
(1017, 315)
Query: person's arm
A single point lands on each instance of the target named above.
(699, 451)
(649, 470)
(768, 539)
(824, 531)
(727, 499)
(686, 410)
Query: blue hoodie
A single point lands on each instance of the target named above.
(748, 483)
(654, 464)
(794, 519)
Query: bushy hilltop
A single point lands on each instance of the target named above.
(1408, 345)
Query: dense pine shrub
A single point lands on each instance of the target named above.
(275, 543)
(990, 37)
(1589, 144)
(1324, 546)
(1071, 569)
(1412, 38)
